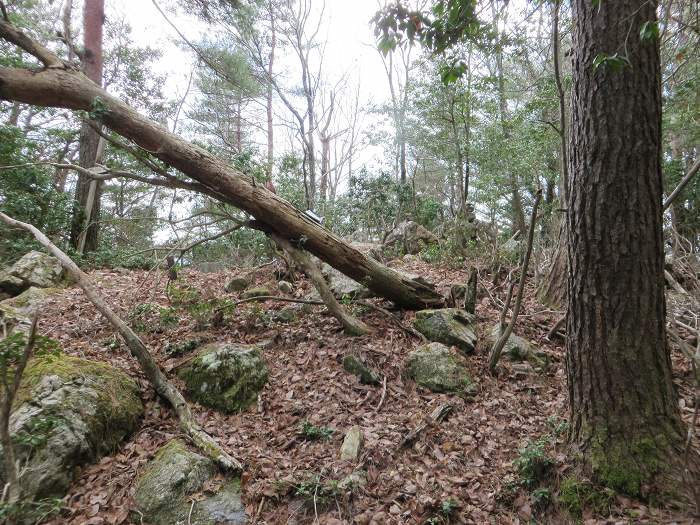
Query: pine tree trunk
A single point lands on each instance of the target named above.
(625, 422)
(87, 198)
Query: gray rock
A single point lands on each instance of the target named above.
(32, 269)
(286, 315)
(434, 367)
(352, 443)
(164, 488)
(258, 291)
(450, 326)
(285, 287)
(225, 376)
(16, 313)
(69, 413)
(237, 284)
(356, 365)
(411, 237)
(518, 349)
(343, 286)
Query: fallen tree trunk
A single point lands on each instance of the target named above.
(58, 84)
(154, 374)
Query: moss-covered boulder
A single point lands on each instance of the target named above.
(69, 412)
(518, 349)
(32, 269)
(450, 326)
(16, 313)
(258, 291)
(237, 284)
(357, 366)
(434, 367)
(225, 376)
(167, 482)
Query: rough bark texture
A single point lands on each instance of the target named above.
(87, 202)
(60, 86)
(625, 423)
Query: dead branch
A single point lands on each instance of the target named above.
(560, 322)
(682, 184)
(394, 319)
(495, 354)
(155, 375)
(351, 324)
(437, 415)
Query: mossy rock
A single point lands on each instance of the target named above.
(518, 349)
(577, 496)
(258, 291)
(225, 376)
(286, 315)
(165, 486)
(16, 313)
(449, 326)
(357, 366)
(434, 367)
(237, 284)
(69, 412)
(32, 269)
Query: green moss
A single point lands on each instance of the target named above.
(225, 377)
(578, 495)
(117, 406)
(625, 466)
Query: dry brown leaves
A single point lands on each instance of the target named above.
(466, 459)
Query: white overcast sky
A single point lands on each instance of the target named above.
(350, 48)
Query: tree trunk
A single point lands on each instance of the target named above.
(86, 211)
(625, 423)
(60, 86)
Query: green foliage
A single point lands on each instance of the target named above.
(27, 193)
(12, 349)
(36, 432)
(614, 63)
(533, 463)
(30, 511)
(578, 495)
(98, 109)
(152, 317)
(311, 432)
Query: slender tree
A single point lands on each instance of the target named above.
(86, 213)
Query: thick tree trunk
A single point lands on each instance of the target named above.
(88, 191)
(59, 86)
(625, 422)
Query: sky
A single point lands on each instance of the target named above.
(345, 27)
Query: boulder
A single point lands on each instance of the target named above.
(343, 286)
(357, 366)
(410, 236)
(285, 287)
(286, 315)
(165, 487)
(352, 443)
(16, 313)
(225, 376)
(237, 284)
(450, 326)
(32, 269)
(69, 412)
(434, 367)
(258, 291)
(518, 349)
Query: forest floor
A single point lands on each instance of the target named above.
(463, 464)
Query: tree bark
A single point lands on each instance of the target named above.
(625, 423)
(60, 86)
(88, 192)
